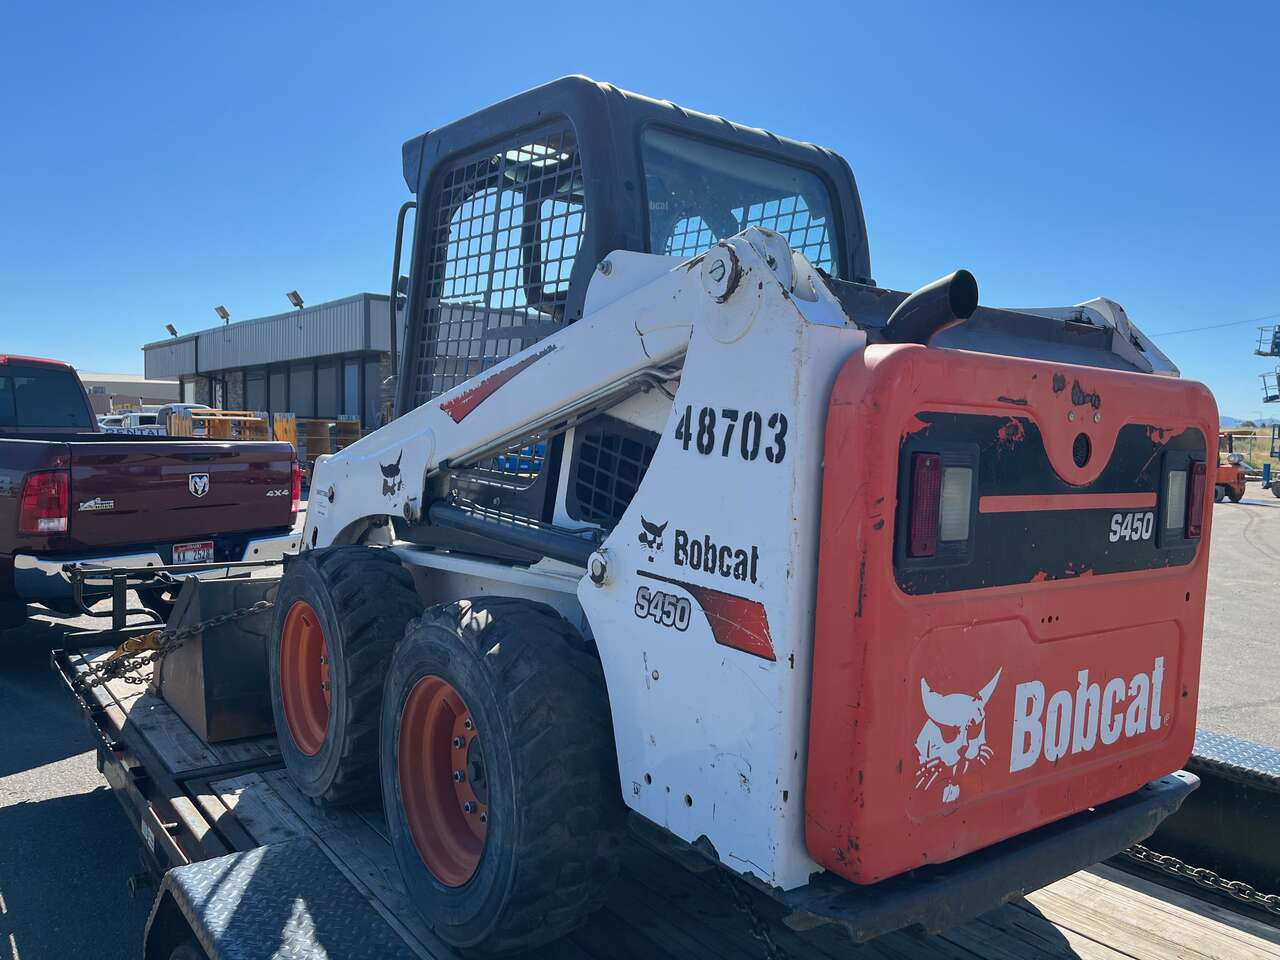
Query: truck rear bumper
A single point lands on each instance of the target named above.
(942, 896)
(36, 579)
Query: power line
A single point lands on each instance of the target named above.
(1214, 326)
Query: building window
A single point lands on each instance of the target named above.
(372, 395)
(327, 389)
(277, 398)
(302, 390)
(351, 388)
(255, 390)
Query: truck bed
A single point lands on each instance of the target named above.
(200, 801)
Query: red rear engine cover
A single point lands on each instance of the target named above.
(1044, 663)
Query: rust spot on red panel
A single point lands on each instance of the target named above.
(915, 425)
(1011, 433)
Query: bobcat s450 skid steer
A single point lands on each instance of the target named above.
(890, 605)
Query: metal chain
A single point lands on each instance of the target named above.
(1205, 877)
(759, 928)
(153, 647)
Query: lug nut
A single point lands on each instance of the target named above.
(469, 807)
(484, 818)
(467, 723)
(458, 743)
(459, 776)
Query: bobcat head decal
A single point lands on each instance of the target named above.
(953, 738)
(651, 535)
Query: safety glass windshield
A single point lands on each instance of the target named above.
(700, 192)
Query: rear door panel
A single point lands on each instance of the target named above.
(1048, 663)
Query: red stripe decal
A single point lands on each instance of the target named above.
(735, 621)
(1067, 501)
(458, 407)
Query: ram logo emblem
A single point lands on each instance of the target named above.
(198, 484)
(953, 738)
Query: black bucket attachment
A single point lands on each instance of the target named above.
(217, 681)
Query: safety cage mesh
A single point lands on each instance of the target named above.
(610, 457)
(503, 229)
(789, 216)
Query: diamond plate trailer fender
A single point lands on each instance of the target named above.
(283, 900)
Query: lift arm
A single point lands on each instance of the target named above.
(634, 342)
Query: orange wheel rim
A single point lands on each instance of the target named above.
(444, 788)
(304, 677)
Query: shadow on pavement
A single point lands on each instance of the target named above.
(64, 863)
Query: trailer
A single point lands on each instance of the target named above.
(247, 866)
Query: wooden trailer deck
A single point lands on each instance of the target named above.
(218, 799)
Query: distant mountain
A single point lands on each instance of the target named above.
(1235, 422)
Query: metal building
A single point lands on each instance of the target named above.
(327, 360)
(117, 391)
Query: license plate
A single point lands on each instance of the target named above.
(201, 552)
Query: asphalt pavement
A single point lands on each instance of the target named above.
(66, 850)
(1240, 677)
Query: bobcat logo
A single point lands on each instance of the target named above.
(651, 536)
(954, 738)
(391, 480)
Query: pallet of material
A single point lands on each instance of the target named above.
(661, 910)
(319, 436)
(233, 425)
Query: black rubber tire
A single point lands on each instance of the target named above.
(1219, 493)
(364, 598)
(1235, 497)
(556, 815)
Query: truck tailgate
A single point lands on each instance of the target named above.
(131, 492)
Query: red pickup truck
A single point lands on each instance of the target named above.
(71, 494)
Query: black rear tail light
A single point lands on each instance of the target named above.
(1195, 499)
(926, 497)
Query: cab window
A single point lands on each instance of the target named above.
(700, 192)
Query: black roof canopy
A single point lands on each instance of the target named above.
(608, 123)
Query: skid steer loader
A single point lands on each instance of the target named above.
(890, 605)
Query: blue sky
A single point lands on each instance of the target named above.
(158, 159)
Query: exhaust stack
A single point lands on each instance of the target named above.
(947, 300)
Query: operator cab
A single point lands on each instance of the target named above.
(519, 203)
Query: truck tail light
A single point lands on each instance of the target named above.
(45, 503)
(926, 497)
(1195, 499)
(295, 490)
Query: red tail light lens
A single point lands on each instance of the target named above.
(1195, 499)
(295, 490)
(45, 503)
(926, 496)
